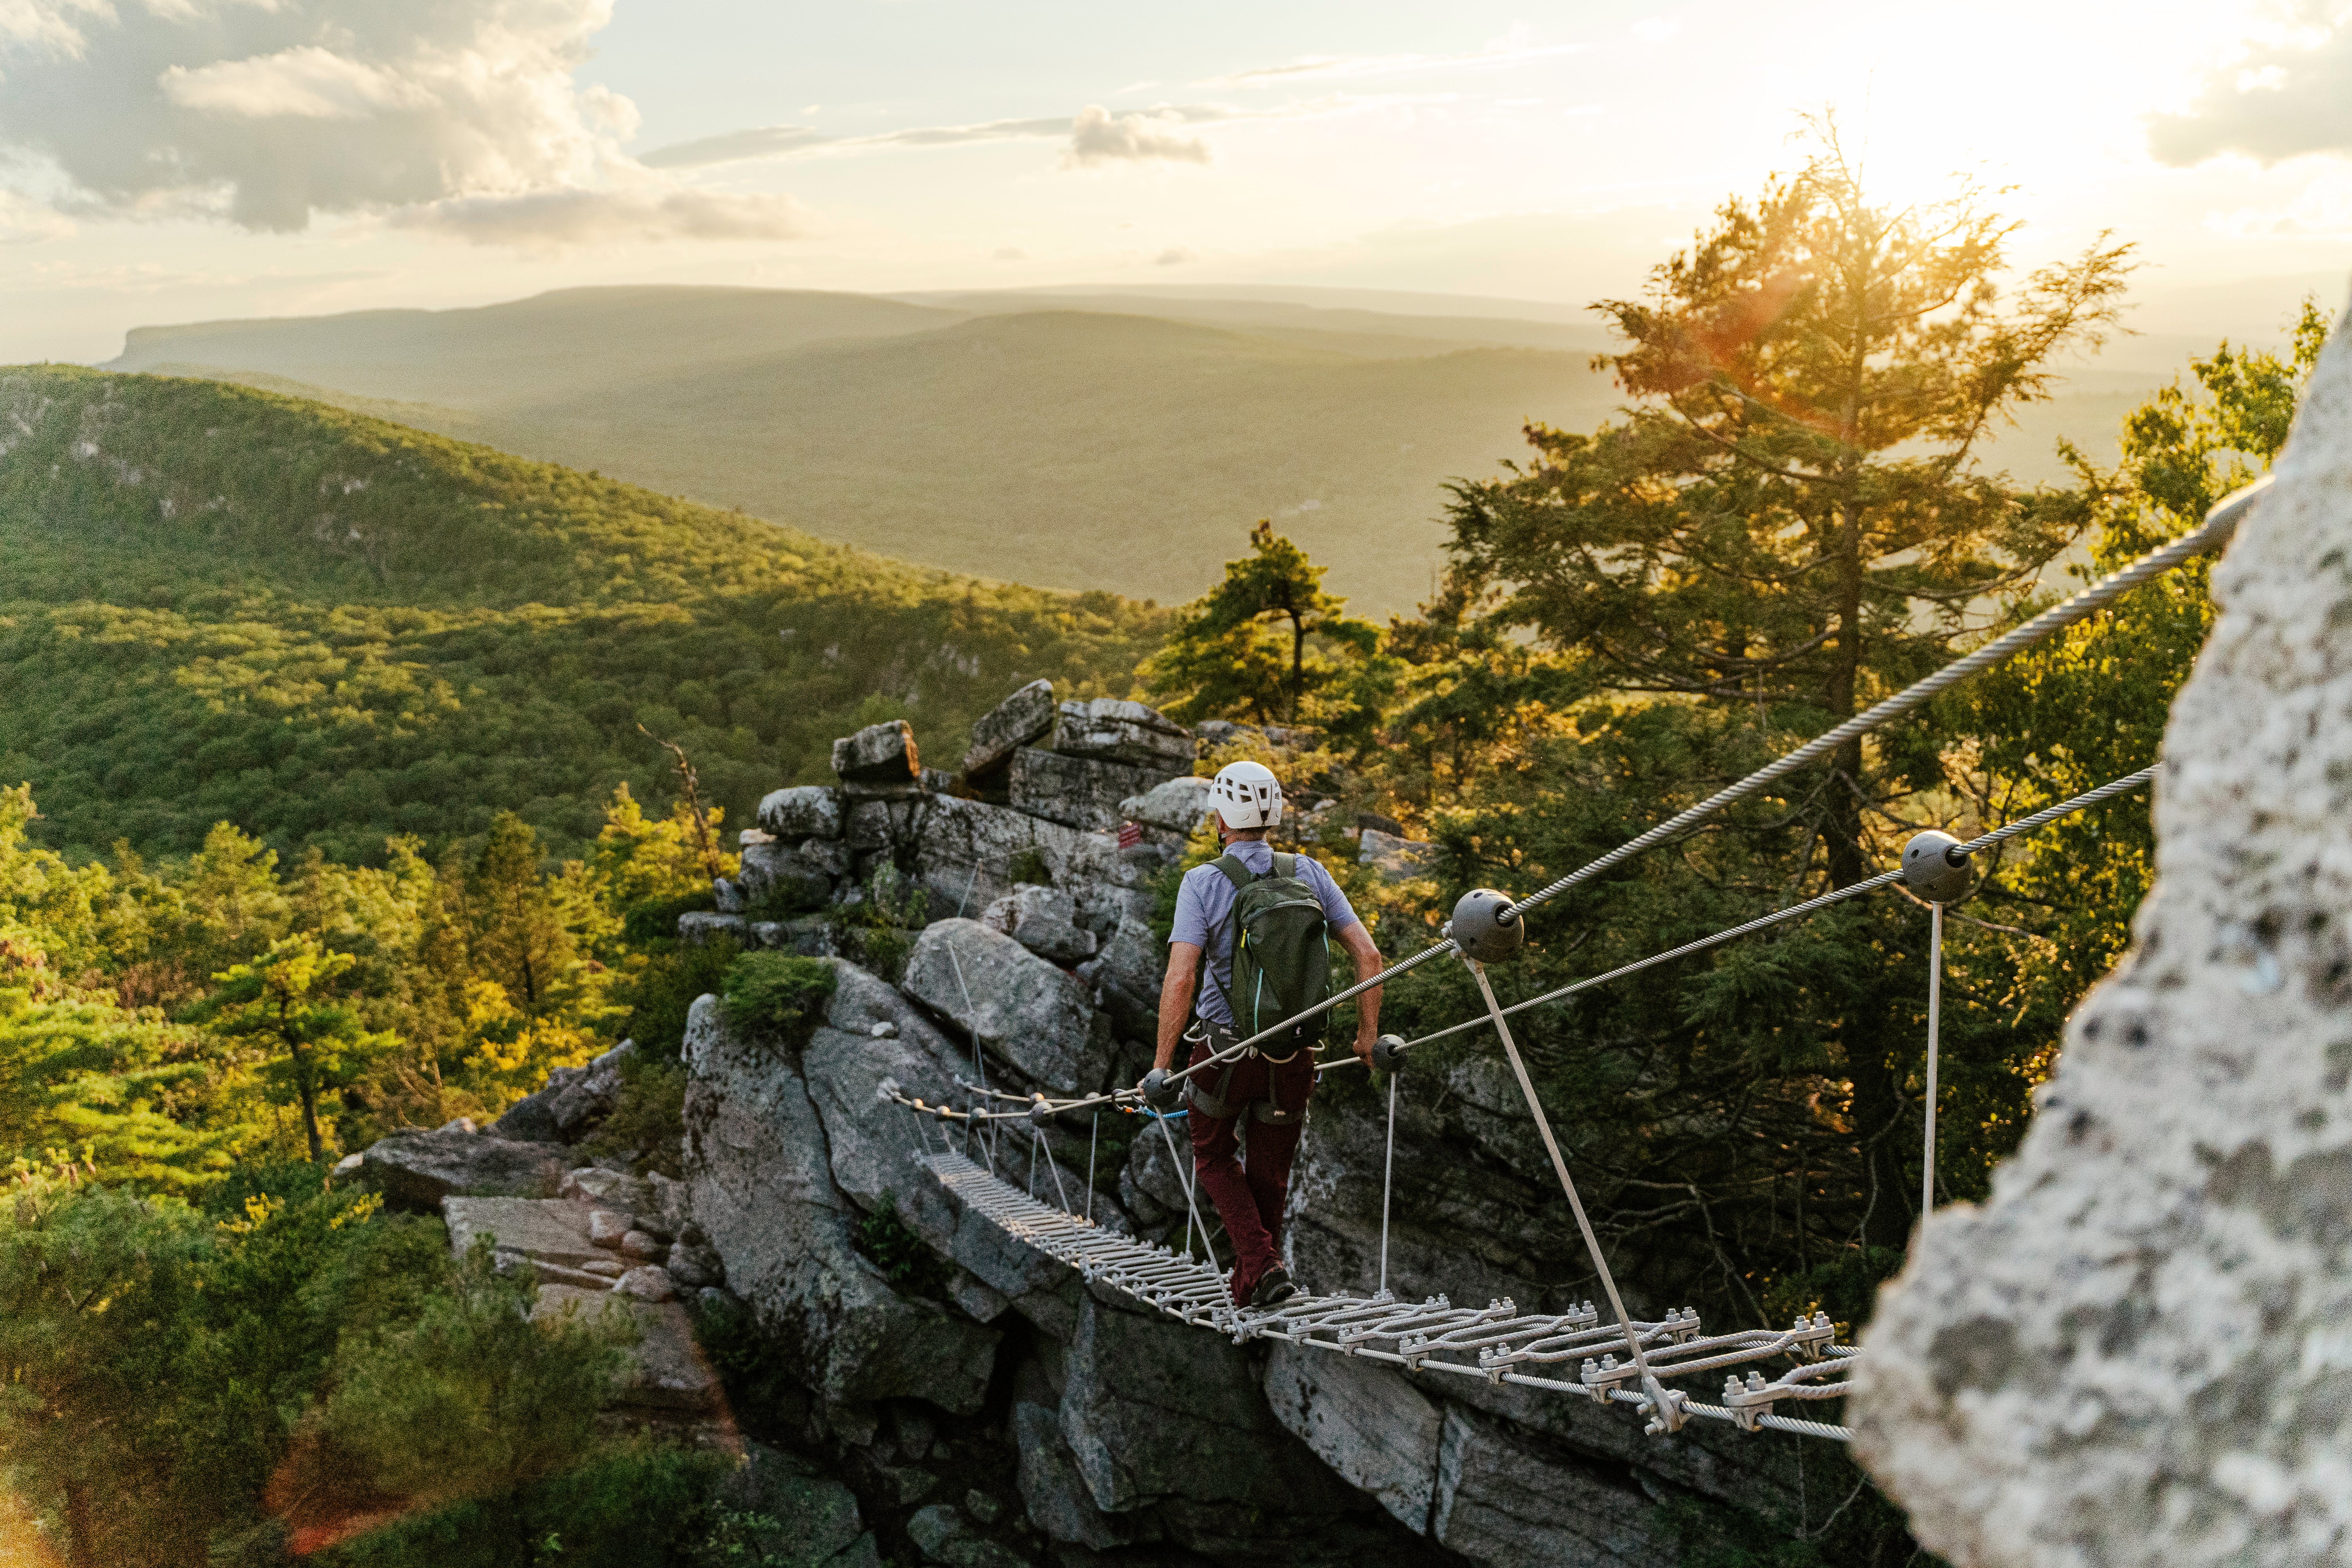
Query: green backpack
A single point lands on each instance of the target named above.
(1281, 955)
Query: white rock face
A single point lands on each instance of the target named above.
(2139, 1350)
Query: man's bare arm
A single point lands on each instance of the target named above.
(1368, 1007)
(1176, 1000)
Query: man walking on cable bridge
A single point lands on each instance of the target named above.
(1265, 922)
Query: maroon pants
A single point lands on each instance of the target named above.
(1243, 1165)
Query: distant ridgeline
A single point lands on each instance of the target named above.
(217, 603)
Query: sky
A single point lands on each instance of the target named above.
(168, 160)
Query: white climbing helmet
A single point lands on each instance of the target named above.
(1246, 795)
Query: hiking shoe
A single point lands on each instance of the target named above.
(1274, 1287)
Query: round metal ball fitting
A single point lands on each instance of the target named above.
(1478, 930)
(1386, 1052)
(1934, 870)
(1040, 1113)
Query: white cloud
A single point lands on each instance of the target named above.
(1516, 47)
(23, 222)
(737, 147)
(2322, 210)
(1176, 255)
(1098, 137)
(1095, 136)
(2288, 95)
(455, 116)
(564, 218)
(304, 83)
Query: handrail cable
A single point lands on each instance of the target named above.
(2221, 524)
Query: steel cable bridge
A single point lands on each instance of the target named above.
(1575, 1353)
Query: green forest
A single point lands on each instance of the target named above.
(335, 816)
(218, 603)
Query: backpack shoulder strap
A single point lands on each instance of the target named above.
(1239, 875)
(1285, 866)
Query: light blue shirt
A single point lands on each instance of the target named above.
(1204, 908)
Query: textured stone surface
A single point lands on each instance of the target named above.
(873, 1146)
(665, 1369)
(417, 1170)
(764, 1195)
(967, 852)
(547, 1230)
(1021, 1009)
(697, 927)
(2137, 1351)
(1367, 1422)
(877, 754)
(1155, 1408)
(1056, 1493)
(1395, 858)
(1178, 805)
(1084, 792)
(779, 878)
(1120, 732)
(805, 811)
(814, 1519)
(569, 1106)
(649, 1283)
(1025, 716)
(1500, 1502)
(1128, 971)
(1044, 921)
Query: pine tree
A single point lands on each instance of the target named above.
(1255, 644)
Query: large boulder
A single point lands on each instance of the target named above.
(1367, 1422)
(1154, 1409)
(1079, 792)
(967, 853)
(665, 1371)
(1127, 970)
(1120, 732)
(879, 756)
(572, 1102)
(1500, 1501)
(805, 811)
(1176, 805)
(1021, 1009)
(417, 1170)
(804, 1520)
(2137, 1351)
(780, 878)
(1056, 1491)
(873, 1146)
(1393, 858)
(697, 928)
(761, 1171)
(1024, 717)
(1044, 921)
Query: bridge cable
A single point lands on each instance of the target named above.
(2220, 524)
(1999, 835)
(2215, 531)
(1665, 1404)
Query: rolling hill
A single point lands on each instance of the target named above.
(1017, 439)
(1079, 438)
(217, 603)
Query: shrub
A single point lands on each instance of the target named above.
(778, 990)
(649, 1122)
(905, 1259)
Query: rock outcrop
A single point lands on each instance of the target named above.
(2135, 1352)
(759, 1165)
(1029, 1013)
(418, 1170)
